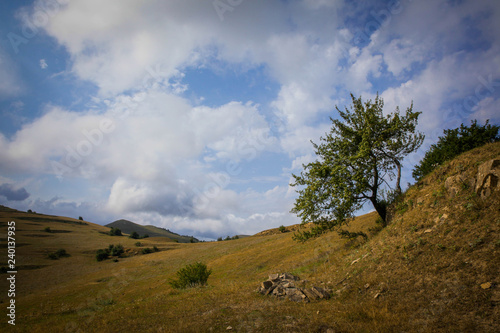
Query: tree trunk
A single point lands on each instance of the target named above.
(380, 208)
(398, 179)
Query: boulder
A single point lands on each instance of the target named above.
(487, 178)
(284, 286)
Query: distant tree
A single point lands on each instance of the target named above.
(80, 218)
(219, 239)
(362, 152)
(134, 235)
(115, 232)
(455, 142)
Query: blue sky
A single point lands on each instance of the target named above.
(192, 115)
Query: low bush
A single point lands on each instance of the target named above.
(112, 250)
(191, 275)
(58, 254)
(115, 232)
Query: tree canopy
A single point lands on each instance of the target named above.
(453, 143)
(361, 154)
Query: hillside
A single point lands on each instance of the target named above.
(128, 227)
(434, 268)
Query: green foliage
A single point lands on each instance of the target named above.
(134, 235)
(455, 142)
(147, 250)
(191, 276)
(352, 235)
(112, 250)
(58, 254)
(47, 229)
(357, 157)
(80, 218)
(115, 232)
(101, 255)
(282, 228)
(138, 244)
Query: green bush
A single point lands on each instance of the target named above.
(58, 254)
(147, 250)
(453, 143)
(282, 228)
(47, 229)
(117, 250)
(115, 232)
(102, 255)
(134, 235)
(191, 275)
(138, 244)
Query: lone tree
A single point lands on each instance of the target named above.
(357, 157)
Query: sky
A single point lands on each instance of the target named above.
(193, 115)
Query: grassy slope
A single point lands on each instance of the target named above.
(128, 227)
(427, 268)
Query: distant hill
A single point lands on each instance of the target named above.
(128, 227)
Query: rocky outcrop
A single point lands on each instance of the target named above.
(487, 177)
(286, 285)
(485, 182)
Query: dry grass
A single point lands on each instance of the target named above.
(422, 273)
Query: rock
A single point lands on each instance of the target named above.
(487, 178)
(229, 328)
(355, 261)
(266, 284)
(283, 286)
(310, 294)
(288, 276)
(486, 285)
(454, 184)
(322, 293)
(273, 277)
(296, 295)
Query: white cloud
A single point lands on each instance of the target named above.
(43, 64)
(11, 84)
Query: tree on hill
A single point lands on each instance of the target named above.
(115, 232)
(455, 142)
(357, 158)
(134, 235)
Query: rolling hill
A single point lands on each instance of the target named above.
(434, 268)
(128, 227)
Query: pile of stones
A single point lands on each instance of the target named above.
(286, 285)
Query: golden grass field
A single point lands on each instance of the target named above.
(434, 268)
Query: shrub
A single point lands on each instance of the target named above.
(115, 232)
(117, 250)
(138, 244)
(147, 250)
(80, 218)
(155, 249)
(134, 235)
(58, 254)
(47, 229)
(282, 228)
(101, 255)
(191, 275)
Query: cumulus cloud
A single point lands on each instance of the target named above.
(171, 162)
(13, 194)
